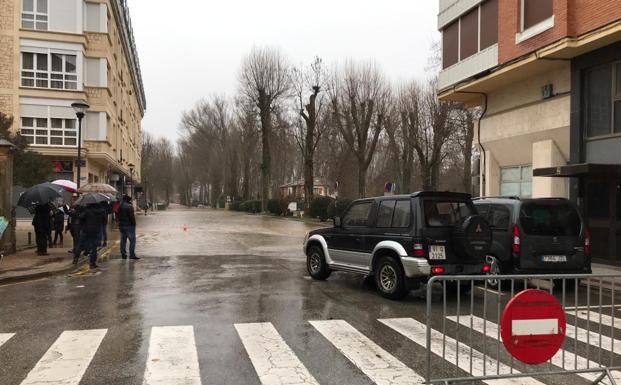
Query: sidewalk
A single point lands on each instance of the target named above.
(26, 264)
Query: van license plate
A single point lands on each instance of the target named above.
(437, 252)
(554, 258)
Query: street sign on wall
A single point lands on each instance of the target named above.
(533, 326)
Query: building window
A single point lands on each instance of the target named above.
(516, 181)
(470, 33)
(52, 70)
(602, 98)
(34, 14)
(49, 132)
(534, 12)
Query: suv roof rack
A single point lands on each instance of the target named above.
(514, 197)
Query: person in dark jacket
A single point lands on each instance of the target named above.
(42, 226)
(91, 220)
(59, 226)
(104, 228)
(127, 226)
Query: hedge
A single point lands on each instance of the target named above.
(274, 206)
(319, 207)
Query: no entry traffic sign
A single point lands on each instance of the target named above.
(533, 326)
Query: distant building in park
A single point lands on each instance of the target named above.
(295, 190)
(547, 76)
(56, 52)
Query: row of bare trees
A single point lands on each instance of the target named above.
(287, 123)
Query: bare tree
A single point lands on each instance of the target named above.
(310, 82)
(359, 99)
(264, 80)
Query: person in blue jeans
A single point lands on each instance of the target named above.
(127, 227)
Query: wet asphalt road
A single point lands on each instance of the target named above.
(209, 270)
(227, 268)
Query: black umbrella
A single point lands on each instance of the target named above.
(41, 194)
(92, 199)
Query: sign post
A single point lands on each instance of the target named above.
(533, 326)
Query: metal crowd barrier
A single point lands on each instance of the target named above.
(464, 341)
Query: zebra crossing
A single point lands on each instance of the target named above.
(172, 354)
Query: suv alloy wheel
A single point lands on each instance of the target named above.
(316, 263)
(390, 279)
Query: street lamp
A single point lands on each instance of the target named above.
(80, 109)
(131, 177)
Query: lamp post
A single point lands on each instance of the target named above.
(131, 177)
(80, 109)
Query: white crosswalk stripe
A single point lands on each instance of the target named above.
(172, 357)
(567, 361)
(376, 363)
(416, 331)
(4, 337)
(594, 318)
(273, 360)
(67, 359)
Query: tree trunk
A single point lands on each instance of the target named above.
(362, 180)
(407, 173)
(308, 184)
(266, 169)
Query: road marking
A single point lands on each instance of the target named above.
(67, 359)
(376, 363)
(416, 331)
(172, 357)
(4, 337)
(571, 361)
(606, 319)
(273, 360)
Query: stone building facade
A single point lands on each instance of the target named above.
(56, 52)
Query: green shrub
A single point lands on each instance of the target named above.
(235, 206)
(274, 206)
(319, 207)
(338, 207)
(252, 206)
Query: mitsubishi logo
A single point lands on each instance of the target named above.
(478, 229)
(555, 239)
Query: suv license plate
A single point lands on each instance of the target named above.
(437, 252)
(554, 258)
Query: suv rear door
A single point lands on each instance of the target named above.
(439, 217)
(550, 235)
(392, 223)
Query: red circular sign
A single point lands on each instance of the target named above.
(533, 326)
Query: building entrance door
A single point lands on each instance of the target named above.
(603, 217)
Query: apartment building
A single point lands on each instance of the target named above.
(56, 52)
(547, 74)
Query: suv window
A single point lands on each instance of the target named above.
(483, 209)
(394, 213)
(440, 213)
(500, 217)
(549, 218)
(403, 212)
(358, 215)
(384, 214)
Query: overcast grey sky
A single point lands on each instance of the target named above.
(191, 49)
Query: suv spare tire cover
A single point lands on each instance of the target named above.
(472, 237)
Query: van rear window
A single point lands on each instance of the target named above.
(445, 213)
(548, 218)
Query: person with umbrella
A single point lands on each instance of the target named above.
(91, 219)
(38, 199)
(42, 227)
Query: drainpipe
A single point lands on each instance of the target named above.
(483, 158)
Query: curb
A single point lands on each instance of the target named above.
(71, 270)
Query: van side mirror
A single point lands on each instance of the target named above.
(337, 221)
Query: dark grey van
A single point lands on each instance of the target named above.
(536, 236)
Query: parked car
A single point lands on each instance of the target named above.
(535, 236)
(402, 240)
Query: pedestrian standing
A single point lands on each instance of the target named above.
(91, 220)
(41, 223)
(127, 226)
(104, 227)
(59, 226)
